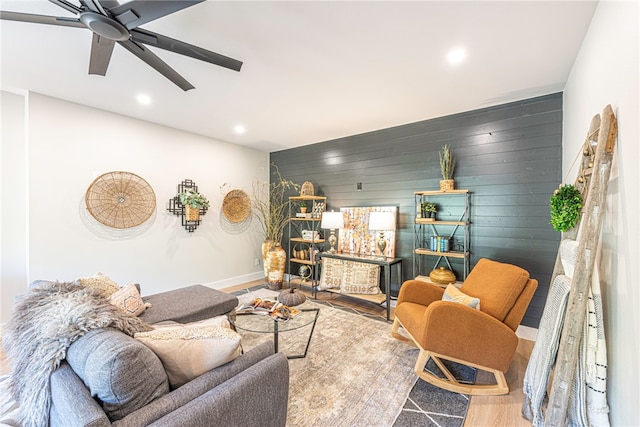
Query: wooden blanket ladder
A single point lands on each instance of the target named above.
(593, 182)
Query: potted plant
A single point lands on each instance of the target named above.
(271, 209)
(303, 207)
(193, 202)
(447, 166)
(429, 210)
(565, 205)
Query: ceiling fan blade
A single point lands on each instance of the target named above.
(101, 49)
(41, 19)
(94, 6)
(163, 42)
(139, 12)
(158, 64)
(67, 6)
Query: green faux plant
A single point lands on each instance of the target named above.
(429, 207)
(194, 199)
(303, 204)
(447, 162)
(565, 205)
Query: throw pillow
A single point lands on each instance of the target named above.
(332, 272)
(99, 282)
(451, 293)
(189, 351)
(128, 299)
(360, 278)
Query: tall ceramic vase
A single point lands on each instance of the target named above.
(274, 258)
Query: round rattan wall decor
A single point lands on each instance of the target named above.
(236, 206)
(120, 200)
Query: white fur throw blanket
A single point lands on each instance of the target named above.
(45, 322)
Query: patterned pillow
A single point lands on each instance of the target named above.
(101, 283)
(189, 351)
(451, 293)
(332, 272)
(128, 299)
(360, 278)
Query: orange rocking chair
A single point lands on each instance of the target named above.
(449, 329)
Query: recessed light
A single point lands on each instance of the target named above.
(239, 129)
(143, 99)
(456, 56)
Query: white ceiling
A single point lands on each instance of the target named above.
(313, 71)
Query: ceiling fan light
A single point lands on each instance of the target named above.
(104, 26)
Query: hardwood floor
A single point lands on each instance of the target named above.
(483, 411)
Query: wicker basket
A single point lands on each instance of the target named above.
(307, 189)
(236, 206)
(446, 184)
(191, 214)
(442, 276)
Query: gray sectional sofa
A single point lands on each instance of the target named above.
(251, 390)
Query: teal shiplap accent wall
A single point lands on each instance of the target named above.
(509, 156)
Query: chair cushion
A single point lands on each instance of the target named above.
(118, 370)
(498, 285)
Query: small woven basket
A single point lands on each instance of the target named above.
(446, 184)
(236, 206)
(307, 189)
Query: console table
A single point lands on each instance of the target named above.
(385, 265)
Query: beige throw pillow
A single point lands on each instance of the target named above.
(332, 271)
(451, 293)
(360, 278)
(101, 283)
(128, 299)
(189, 351)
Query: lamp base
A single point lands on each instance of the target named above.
(382, 244)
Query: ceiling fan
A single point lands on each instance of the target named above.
(113, 22)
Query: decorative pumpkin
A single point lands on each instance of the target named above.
(442, 276)
(291, 297)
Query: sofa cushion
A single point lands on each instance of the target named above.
(188, 351)
(497, 285)
(188, 304)
(118, 370)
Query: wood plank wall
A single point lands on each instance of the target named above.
(509, 156)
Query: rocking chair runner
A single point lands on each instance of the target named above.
(484, 339)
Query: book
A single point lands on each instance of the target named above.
(267, 307)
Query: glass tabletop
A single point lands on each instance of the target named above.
(265, 324)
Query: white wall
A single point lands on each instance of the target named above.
(69, 145)
(606, 71)
(13, 200)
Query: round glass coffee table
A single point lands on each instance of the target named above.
(263, 324)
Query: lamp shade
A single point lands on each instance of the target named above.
(382, 221)
(332, 220)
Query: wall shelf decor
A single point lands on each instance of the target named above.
(120, 199)
(190, 220)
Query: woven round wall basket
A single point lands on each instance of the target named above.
(236, 206)
(120, 199)
(307, 189)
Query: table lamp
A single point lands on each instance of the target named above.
(382, 221)
(332, 220)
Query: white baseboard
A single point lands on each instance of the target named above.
(233, 281)
(527, 333)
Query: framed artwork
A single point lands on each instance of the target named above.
(356, 237)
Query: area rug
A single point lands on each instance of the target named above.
(356, 374)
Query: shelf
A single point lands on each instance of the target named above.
(427, 221)
(303, 261)
(305, 219)
(450, 254)
(440, 193)
(301, 240)
(300, 198)
(377, 298)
